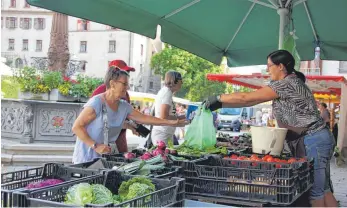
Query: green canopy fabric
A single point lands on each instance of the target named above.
(245, 31)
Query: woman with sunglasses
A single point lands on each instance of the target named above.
(102, 118)
(294, 108)
(164, 108)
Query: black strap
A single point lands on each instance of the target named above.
(149, 143)
(105, 119)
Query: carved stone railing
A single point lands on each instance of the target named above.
(32, 121)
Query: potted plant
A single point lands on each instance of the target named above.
(83, 88)
(31, 85)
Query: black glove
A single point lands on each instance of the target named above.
(212, 103)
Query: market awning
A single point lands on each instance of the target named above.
(320, 85)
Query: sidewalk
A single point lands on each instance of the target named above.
(339, 178)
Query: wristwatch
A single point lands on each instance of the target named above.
(94, 146)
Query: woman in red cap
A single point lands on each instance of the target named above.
(121, 142)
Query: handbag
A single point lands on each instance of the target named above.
(149, 143)
(114, 148)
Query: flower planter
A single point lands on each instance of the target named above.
(55, 95)
(33, 96)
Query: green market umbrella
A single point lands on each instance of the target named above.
(244, 31)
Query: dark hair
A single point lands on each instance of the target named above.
(324, 105)
(284, 57)
(301, 76)
(171, 78)
(113, 74)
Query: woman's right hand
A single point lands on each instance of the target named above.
(179, 122)
(102, 149)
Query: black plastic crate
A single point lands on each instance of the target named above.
(167, 172)
(273, 194)
(18, 180)
(215, 167)
(188, 163)
(119, 158)
(170, 192)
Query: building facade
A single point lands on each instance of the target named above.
(25, 32)
(25, 38)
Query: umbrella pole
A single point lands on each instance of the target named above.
(283, 13)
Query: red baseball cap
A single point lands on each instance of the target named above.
(121, 64)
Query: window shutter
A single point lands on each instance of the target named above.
(30, 21)
(79, 24)
(21, 23)
(7, 22)
(35, 23)
(43, 23)
(15, 22)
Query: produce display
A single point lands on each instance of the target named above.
(84, 193)
(44, 183)
(184, 149)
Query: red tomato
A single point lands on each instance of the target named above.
(270, 159)
(291, 160)
(277, 160)
(278, 165)
(242, 158)
(234, 157)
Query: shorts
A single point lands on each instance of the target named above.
(320, 146)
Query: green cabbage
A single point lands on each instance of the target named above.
(117, 199)
(102, 195)
(79, 194)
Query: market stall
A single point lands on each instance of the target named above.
(330, 89)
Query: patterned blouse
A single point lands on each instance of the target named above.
(296, 105)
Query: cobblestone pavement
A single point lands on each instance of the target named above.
(339, 178)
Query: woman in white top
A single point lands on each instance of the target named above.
(165, 108)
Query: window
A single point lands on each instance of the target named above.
(13, 4)
(83, 46)
(343, 67)
(38, 45)
(140, 68)
(11, 44)
(83, 66)
(11, 22)
(25, 45)
(18, 63)
(39, 23)
(151, 85)
(112, 46)
(141, 49)
(26, 5)
(25, 23)
(82, 25)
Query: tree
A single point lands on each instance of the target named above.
(195, 87)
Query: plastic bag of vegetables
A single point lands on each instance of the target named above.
(201, 133)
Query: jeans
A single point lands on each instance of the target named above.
(320, 146)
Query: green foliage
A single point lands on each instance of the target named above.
(9, 87)
(195, 87)
(52, 79)
(30, 80)
(84, 86)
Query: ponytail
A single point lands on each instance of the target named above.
(300, 75)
